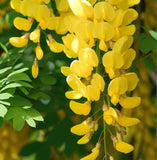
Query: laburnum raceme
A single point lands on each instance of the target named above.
(100, 40)
(98, 37)
(38, 10)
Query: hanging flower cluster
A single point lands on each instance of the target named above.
(39, 11)
(99, 38)
(98, 35)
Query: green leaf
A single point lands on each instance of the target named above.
(2, 71)
(5, 96)
(151, 32)
(5, 103)
(14, 112)
(18, 123)
(17, 71)
(3, 110)
(34, 114)
(4, 47)
(18, 77)
(31, 122)
(18, 101)
(145, 43)
(150, 65)
(39, 95)
(17, 84)
(24, 90)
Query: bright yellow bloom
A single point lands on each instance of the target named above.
(56, 47)
(35, 35)
(98, 81)
(84, 31)
(132, 80)
(110, 115)
(62, 5)
(72, 45)
(93, 93)
(16, 4)
(85, 139)
(80, 69)
(80, 108)
(121, 21)
(128, 3)
(104, 32)
(94, 154)
(65, 70)
(19, 41)
(88, 56)
(127, 121)
(121, 57)
(22, 24)
(123, 147)
(129, 102)
(117, 87)
(81, 8)
(75, 83)
(82, 128)
(104, 11)
(35, 69)
(112, 61)
(39, 52)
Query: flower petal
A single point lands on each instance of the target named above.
(129, 102)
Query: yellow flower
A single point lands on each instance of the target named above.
(81, 8)
(22, 23)
(35, 35)
(98, 81)
(85, 139)
(104, 11)
(110, 115)
(129, 102)
(19, 41)
(80, 69)
(62, 5)
(35, 69)
(127, 121)
(76, 84)
(123, 147)
(84, 31)
(117, 87)
(16, 4)
(94, 154)
(80, 108)
(112, 60)
(121, 21)
(88, 56)
(93, 93)
(72, 45)
(132, 80)
(56, 47)
(82, 128)
(39, 52)
(128, 3)
(65, 70)
(104, 32)
(121, 57)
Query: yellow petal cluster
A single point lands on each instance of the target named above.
(101, 33)
(98, 36)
